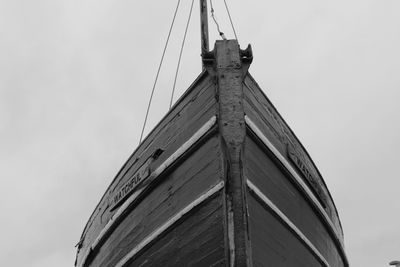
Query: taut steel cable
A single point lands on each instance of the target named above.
(230, 19)
(158, 71)
(180, 54)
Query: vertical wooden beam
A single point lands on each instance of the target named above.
(229, 75)
(204, 28)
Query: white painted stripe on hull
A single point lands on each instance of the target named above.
(163, 166)
(287, 221)
(169, 223)
(296, 176)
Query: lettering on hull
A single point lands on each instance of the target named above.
(129, 186)
(297, 159)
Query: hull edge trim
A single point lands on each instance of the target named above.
(287, 221)
(215, 189)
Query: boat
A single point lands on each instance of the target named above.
(220, 181)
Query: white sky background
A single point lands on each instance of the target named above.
(75, 78)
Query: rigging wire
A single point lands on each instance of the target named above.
(215, 20)
(180, 54)
(230, 19)
(158, 70)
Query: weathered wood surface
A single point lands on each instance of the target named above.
(197, 241)
(191, 111)
(232, 226)
(176, 190)
(228, 69)
(272, 243)
(267, 174)
(263, 113)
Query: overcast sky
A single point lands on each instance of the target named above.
(75, 77)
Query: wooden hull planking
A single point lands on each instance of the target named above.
(220, 181)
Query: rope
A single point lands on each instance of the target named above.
(158, 71)
(230, 19)
(180, 55)
(216, 23)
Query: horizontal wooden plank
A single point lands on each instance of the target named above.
(274, 181)
(194, 109)
(169, 223)
(272, 243)
(198, 240)
(285, 220)
(148, 180)
(176, 190)
(260, 110)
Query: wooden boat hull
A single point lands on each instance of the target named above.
(221, 180)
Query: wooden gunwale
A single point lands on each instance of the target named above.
(199, 137)
(267, 202)
(257, 133)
